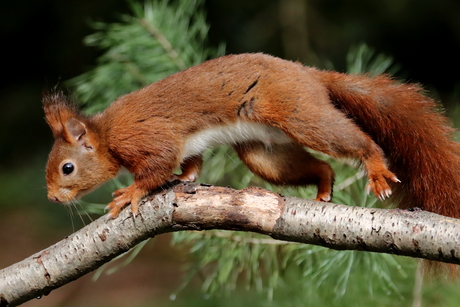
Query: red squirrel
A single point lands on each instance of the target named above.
(268, 109)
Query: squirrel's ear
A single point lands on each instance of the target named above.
(75, 132)
(74, 129)
(58, 110)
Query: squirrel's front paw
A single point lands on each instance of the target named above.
(123, 197)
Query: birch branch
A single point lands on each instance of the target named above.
(198, 207)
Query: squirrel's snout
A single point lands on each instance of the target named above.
(54, 199)
(60, 195)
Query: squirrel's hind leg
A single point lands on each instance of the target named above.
(332, 133)
(190, 169)
(287, 164)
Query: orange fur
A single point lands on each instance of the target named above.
(150, 132)
(416, 139)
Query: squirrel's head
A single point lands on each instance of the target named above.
(78, 162)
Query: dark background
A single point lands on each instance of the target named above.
(42, 45)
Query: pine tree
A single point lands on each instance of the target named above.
(160, 38)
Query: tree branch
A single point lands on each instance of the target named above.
(197, 207)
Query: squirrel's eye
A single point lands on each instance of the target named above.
(67, 168)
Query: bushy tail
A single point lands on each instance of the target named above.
(415, 137)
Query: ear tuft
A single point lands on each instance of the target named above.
(58, 110)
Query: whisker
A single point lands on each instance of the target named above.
(84, 211)
(70, 212)
(75, 203)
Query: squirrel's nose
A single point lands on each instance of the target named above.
(53, 198)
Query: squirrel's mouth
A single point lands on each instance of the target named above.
(67, 195)
(62, 195)
(54, 199)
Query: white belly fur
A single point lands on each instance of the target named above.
(234, 133)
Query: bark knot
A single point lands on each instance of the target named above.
(388, 237)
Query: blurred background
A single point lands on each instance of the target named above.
(43, 46)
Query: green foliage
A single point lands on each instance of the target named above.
(363, 59)
(163, 37)
(157, 40)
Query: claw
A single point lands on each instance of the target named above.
(378, 183)
(123, 197)
(388, 193)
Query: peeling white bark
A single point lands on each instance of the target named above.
(197, 207)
